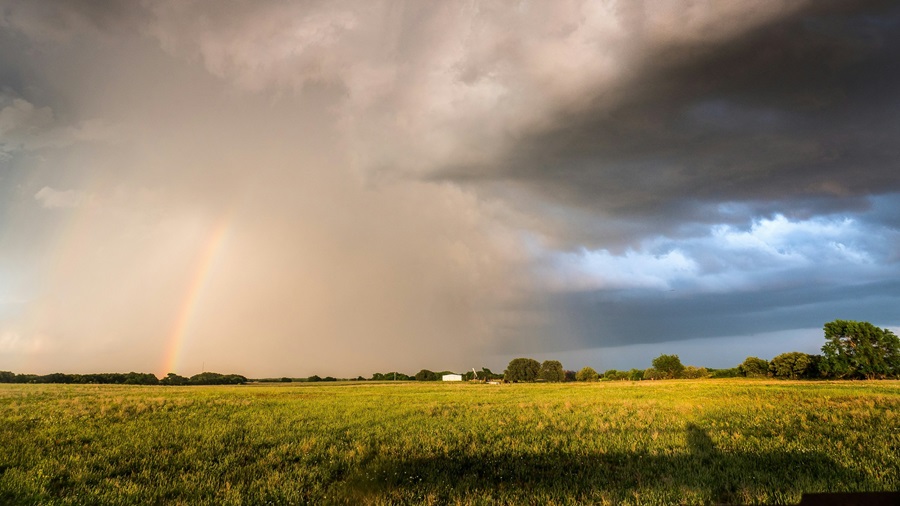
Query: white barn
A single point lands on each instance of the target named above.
(452, 377)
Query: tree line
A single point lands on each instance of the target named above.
(130, 378)
(852, 350)
(484, 374)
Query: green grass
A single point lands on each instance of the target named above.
(693, 442)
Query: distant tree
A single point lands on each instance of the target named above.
(7, 377)
(174, 379)
(614, 375)
(214, 378)
(426, 375)
(57, 377)
(668, 365)
(636, 374)
(652, 374)
(315, 378)
(105, 378)
(484, 374)
(286, 380)
(490, 374)
(399, 376)
(570, 375)
(859, 350)
(552, 370)
(732, 372)
(137, 378)
(791, 365)
(205, 378)
(235, 379)
(587, 374)
(754, 367)
(691, 372)
(522, 369)
(391, 376)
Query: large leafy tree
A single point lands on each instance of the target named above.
(522, 369)
(792, 365)
(754, 367)
(669, 366)
(552, 370)
(859, 350)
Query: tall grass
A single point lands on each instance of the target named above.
(694, 442)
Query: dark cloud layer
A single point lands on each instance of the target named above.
(627, 317)
(798, 117)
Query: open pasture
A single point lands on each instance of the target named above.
(698, 442)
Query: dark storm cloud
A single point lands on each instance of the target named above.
(799, 117)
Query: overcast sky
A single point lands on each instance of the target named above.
(292, 188)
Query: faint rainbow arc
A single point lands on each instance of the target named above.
(188, 306)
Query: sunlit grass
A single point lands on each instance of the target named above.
(734, 441)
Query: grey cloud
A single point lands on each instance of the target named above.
(884, 211)
(605, 319)
(55, 21)
(25, 126)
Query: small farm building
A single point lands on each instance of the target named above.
(452, 377)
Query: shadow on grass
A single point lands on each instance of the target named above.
(704, 473)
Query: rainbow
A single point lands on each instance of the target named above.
(201, 272)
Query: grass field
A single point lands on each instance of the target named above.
(737, 441)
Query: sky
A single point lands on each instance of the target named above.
(339, 187)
